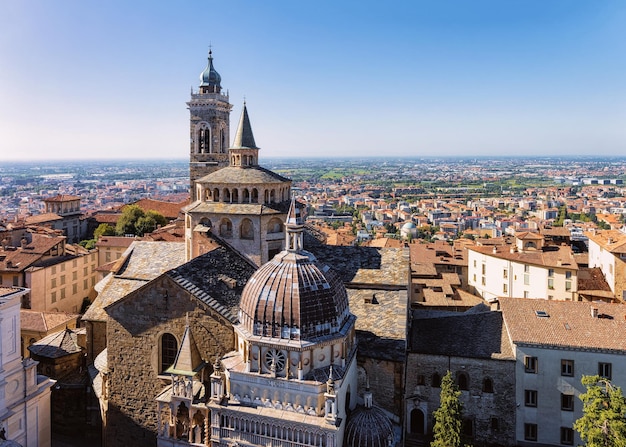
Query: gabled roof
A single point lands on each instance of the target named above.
(216, 278)
(140, 263)
(568, 324)
(613, 241)
(549, 256)
(477, 333)
(169, 210)
(36, 321)
(57, 345)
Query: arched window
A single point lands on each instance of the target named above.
(275, 226)
(247, 229)
(216, 195)
(462, 381)
(226, 195)
(245, 196)
(435, 380)
(487, 385)
(169, 349)
(203, 139)
(235, 196)
(226, 228)
(255, 196)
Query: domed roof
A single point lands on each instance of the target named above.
(294, 296)
(210, 77)
(408, 226)
(368, 427)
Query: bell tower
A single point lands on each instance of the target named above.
(209, 126)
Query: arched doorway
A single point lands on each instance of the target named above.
(417, 421)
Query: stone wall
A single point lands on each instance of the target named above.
(491, 414)
(386, 379)
(134, 331)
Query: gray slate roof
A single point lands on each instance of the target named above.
(57, 345)
(216, 278)
(240, 175)
(143, 261)
(471, 334)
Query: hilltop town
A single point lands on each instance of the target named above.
(306, 302)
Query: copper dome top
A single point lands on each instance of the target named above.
(293, 296)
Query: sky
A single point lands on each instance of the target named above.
(110, 79)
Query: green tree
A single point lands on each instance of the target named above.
(448, 417)
(103, 230)
(603, 423)
(128, 219)
(135, 221)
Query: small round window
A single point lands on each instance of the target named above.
(276, 357)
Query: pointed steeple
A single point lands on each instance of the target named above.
(244, 138)
(294, 240)
(188, 359)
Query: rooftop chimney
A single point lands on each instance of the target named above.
(594, 312)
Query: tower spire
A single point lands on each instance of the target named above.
(244, 139)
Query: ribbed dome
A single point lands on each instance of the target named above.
(210, 77)
(294, 297)
(368, 427)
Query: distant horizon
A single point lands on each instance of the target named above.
(339, 157)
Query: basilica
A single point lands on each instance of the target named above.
(241, 335)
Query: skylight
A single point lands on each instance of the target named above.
(541, 313)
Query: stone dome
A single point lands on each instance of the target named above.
(210, 77)
(293, 296)
(368, 427)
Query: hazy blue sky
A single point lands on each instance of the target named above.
(108, 79)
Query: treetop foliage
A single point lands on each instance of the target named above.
(603, 423)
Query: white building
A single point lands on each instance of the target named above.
(527, 270)
(607, 250)
(554, 348)
(24, 395)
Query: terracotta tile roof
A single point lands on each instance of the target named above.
(61, 198)
(569, 324)
(36, 321)
(612, 240)
(550, 256)
(592, 279)
(114, 241)
(17, 260)
(106, 217)
(170, 210)
(42, 218)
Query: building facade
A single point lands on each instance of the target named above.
(607, 250)
(525, 270)
(24, 395)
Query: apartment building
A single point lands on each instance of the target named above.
(63, 283)
(553, 350)
(527, 269)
